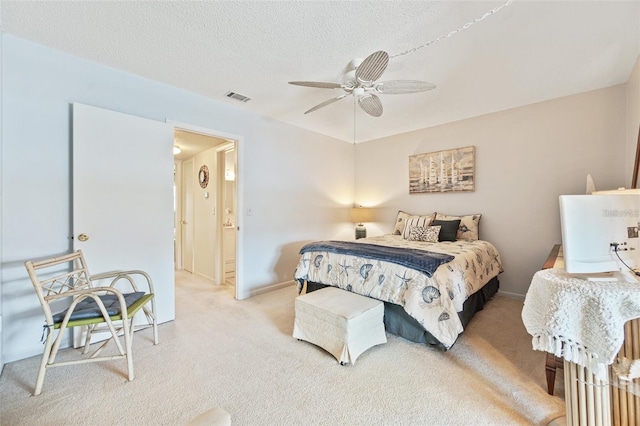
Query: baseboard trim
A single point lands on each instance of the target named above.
(204, 277)
(268, 288)
(36, 350)
(511, 295)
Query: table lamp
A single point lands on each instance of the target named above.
(359, 215)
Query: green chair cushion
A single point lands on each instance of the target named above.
(88, 312)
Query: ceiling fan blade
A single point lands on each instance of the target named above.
(373, 66)
(400, 87)
(319, 84)
(325, 103)
(371, 104)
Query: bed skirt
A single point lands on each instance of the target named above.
(397, 321)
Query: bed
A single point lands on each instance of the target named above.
(431, 286)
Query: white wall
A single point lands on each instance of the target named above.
(633, 120)
(525, 158)
(296, 182)
(1, 198)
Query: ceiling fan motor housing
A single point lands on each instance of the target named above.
(349, 78)
(354, 63)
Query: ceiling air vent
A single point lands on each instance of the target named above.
(237, 96)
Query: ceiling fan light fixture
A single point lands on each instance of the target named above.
(361, 83)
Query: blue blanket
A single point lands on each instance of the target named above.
(421, 260)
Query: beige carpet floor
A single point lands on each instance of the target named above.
(240, 356)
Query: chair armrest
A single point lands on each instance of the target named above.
(85, 292)
(116, 276)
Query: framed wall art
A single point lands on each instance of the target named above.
(203, 177)
(452, 170)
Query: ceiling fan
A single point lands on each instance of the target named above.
(360, 82)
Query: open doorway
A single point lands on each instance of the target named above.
(205, 207)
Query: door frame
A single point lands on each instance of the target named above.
(221, 190)
(186, 167)
(239, 145)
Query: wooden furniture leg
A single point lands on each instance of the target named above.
(551, 365)
(550, 370)
(551, 362)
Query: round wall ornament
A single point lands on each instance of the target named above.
(203, 176)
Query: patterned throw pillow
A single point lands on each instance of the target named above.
(469, 225)
(416, 221)
(400, 222)
(428, 234)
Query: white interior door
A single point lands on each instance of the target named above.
(123, 196)
(187, 215)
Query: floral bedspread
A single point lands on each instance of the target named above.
(433, 302)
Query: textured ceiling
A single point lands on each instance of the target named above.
(528, 52)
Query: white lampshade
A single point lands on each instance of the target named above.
(176, 150)
(361, 214)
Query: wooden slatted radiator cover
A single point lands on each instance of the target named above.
(613, 401)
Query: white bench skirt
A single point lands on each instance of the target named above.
(342, 323)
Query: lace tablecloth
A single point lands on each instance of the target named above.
(578, 320)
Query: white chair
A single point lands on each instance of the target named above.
(109, 308)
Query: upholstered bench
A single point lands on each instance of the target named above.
(342, 323)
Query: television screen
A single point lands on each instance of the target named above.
(593, 226)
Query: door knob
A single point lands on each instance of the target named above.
(183, 222)
(83, 237)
